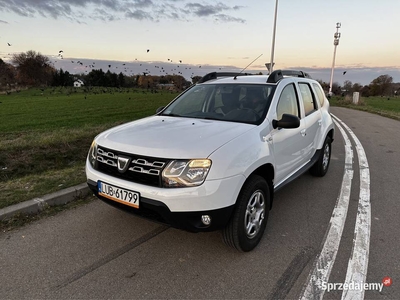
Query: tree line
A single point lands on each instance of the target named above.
(383, 85)
(34, 69)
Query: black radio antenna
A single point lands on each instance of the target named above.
(251, 63)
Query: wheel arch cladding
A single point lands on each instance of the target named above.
(267, 172)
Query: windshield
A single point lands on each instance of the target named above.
(245, 103)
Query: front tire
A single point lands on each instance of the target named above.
(247, 224)
(320, 168)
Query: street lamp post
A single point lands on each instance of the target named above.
(271, 66)
(336, 38)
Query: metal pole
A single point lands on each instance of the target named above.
(333, 67)
(273, 38)
(336, 38)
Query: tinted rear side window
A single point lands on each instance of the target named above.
(308, 98)
(319, 94)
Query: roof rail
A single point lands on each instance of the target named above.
(277, 75)
(215, 75)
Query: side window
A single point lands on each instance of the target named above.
(308, 98)
(288, 103)
(320, 94)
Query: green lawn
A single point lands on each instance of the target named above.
(385, 106)
(45, 134)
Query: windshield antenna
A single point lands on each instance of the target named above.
(250, 63)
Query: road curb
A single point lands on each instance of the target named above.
(38, 204)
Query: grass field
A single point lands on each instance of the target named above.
(384, 106)
(45, 134)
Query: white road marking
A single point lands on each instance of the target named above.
(358, 263)
(324, 262)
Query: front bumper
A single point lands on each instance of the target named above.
(159, 212)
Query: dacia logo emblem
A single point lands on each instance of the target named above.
(123, 163)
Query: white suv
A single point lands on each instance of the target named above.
(213, 157)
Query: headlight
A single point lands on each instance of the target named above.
(181, 173)
(92, 155)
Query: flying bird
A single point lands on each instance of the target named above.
(180, 61)
(8, 44)
(148, 50)
(344, 72)
(60, 51)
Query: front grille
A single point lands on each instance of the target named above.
(141, 169)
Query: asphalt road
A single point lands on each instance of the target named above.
(98, 252)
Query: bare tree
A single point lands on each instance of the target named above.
(381, 85)
(347, 86)
(33, 68)
(195, 79)
(356, 87)
(7, 75)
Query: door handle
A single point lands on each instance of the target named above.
(303, 132)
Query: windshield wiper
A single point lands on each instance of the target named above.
(171, 115)
(210, 118)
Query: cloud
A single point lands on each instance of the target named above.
(226, 18)
(139, 15)
(113, 10)
(217, 11)
(206, 10)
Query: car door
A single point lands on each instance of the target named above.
(288, 144)
(312, 119)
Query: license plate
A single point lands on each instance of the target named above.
(118, 194)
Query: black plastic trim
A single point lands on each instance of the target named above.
(277, 75)
(158, 212)
(215, 75)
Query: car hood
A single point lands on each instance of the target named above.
(171, 137)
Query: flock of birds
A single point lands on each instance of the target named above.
(175, 70)
(127, 70)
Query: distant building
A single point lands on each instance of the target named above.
(78, 83)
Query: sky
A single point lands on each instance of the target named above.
(195, 37)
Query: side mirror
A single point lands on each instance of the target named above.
(159, 109)
(287, 121)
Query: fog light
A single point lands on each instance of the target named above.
(206, 219)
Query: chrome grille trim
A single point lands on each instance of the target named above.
(150, 167)
(104, 153)
(141, 170)
(107, 161)
(141, 161)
